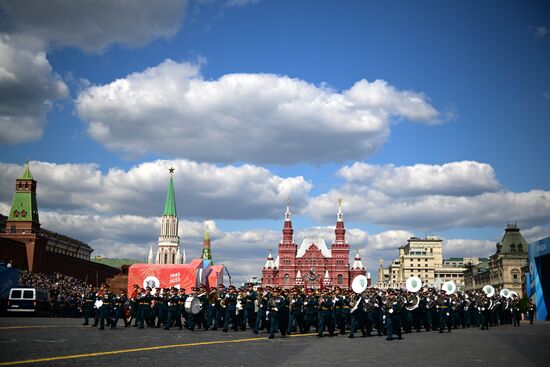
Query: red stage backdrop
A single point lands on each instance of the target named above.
(167, 276)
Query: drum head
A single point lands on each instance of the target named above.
(193, 305)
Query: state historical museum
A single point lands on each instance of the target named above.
(313, 264)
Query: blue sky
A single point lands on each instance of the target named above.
(477, 72)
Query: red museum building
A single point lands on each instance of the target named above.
(312, 264)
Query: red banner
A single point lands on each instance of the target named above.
(179, 276)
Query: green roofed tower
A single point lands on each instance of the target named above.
(168, 251)
(23, 215)
(170, 204)
(206, 252)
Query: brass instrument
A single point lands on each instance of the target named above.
(412, 302)
(431, 300)
(457, 303)
(222, 300)
(370, 303)
(213, 296)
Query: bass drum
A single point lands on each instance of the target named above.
(193, 305)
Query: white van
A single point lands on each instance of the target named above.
(29, 300)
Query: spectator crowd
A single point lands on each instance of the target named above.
(65, 291)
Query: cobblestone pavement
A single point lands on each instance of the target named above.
(65, 342)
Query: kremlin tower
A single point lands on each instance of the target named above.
(168, 251)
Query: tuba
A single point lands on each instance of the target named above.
(449, 287)
(489, 290)
(413, 284)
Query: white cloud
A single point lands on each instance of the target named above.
(28, 88)
(456, 203)
(464, 178)
(538, 31)
(468, 248)
(243, 117)
(535, 233)
(202, 190)
(93, 25)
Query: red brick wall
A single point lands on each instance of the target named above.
(13, 250)
(82, 269)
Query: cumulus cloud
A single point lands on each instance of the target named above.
(464, 178)
(455, 203)
(538, 31)
(535, 233)
(93, 25)
(28, 87)
(468, 248)
(202, 190)
(259, 118)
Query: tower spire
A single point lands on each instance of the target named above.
(340, 230)
(287, 213)
(170, 204)
(206, 252)
(287, 229)
(340, 216)
(169, 241)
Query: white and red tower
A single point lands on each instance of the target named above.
(340, 252)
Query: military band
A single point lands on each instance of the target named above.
(332, 311)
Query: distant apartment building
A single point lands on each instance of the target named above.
(423, 257)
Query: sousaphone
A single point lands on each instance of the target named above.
(359, 284)
(413, 284)
(489, 290)
(449, 287)
(505, 292)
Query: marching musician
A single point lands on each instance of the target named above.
(531, 308)
(105, 308)
(134, 304)
(144, 306)
(230, 301)
(182, 297)
(203, 297)
(393, 319)
(194, 319)
(311, 310)
(444, 309)
(211, 321)
(515, 310)
(173, 310)
(326, 313)
(278, 312)
(249, 313)
(88, 304)
(119, 306)
(296, 304)
(357, 314)
(220, 309)
(263, 307)
(339, 315)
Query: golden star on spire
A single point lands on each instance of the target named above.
(171, 170)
